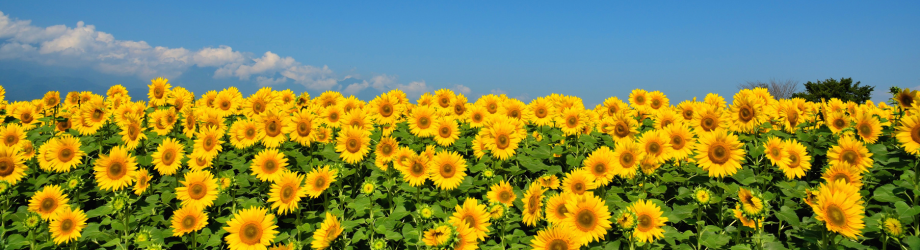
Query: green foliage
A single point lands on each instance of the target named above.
(844, 89)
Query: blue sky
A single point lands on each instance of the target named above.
(593, 50)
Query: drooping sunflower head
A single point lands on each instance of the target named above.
(625, 220)
(752, 203)
(892, 226)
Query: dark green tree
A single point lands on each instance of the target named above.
(844, 89)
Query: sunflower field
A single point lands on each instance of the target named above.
(278, 170)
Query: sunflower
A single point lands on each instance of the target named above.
(271, 126)
(466, 237)
(188, 219)
(719, 153)
(131, 131)
(228, 101)
(908, 134)
(571, 121)
(850, 152)
(66, 225)
(797, 161)
(665, 117)
(541, 112)
(533, 204)
(421, 121)
(259, 102)
(638, 98)
(269, 164)
(198, 162)
(578, 182)
(48, 201)
(553, 238)
(840, 206)
(491, 102)
(208, 143)
(836, 121)
(708, 118)
(478, 116)
(655, 146)
(747, 113)
(322, 135)
(386, 149)
(868, 127)
(12, 134)
(556, 212)
(386, 108)
(199, 189)
(143, 181)
(12, 166)
(168, 157)
(357, 118)
(626, 158)
(623, 128)
(648, 221)
(447, 131)
(849, 175)
(332, 115)
(244, 133)
(159, 91)
(414, 167)
(906, 98)
(459, 108)
(588, 217)
(447, 170)
(502, 192)
(252, 228)
(158, 123)
(353, 143)
(751, 204)
(773, 149)
(319, 180)
(27, 114)
(439, 236)
(739, 214)
(116, 170)
(474, 215)
(286, 192)
(328, 232)
(702, 195)
(549, 181)
(501, 138)
(891, 225)
(66, 153)
(300, 128)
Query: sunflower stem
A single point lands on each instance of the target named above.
(699, 231)
(195, 239)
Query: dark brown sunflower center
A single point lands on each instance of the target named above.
(579, 188)
(640, 100)
(133, 131)
(66, 155)
(793, 161)
(840, 176)
(540, 112)
(906, 99)
(839, 123)
(444, 132)
(849, 156)
(188, 222)
(67, 225)
(677, 142)
(470, 220)
(656, 103)
(515, 114)
(915, 133)
(158, 92)
(718, 154)
(270, 166)
(64, 125)
(417, 168)
(585, 220)
(251, 233)
(386, 110)
(444, 101)
(334, 117)
(116, 170)
(48, 204)
(645, 222)
(654, 148)
(557, 244)
(424, 122)
(386, 149)
(835, 216)
(352, 145)
(258, 107)
(9, 140)
(287, 193)
(26, 118)
(6, 166)
(459, 109)
(865, 130)
(303, 128)
(746, 113)
(98, 114)
(621, 129)
(273, 128)
(197, 191)
(319, 183)
(169, 157)
(504, 196)
(492, 107)
(627, 159)
(708, 124)
(600, 168)
(533, 204)
(688, 114)
(225, 104)
(448, 170)
(208, 143)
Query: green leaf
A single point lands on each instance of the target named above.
(99, 211)
(714, 240)
(745, 176)
(682, 212)
(542, 152)
(360, 205)
(885, 194)
(788, 215)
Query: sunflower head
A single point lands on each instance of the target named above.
(379, 244)
(892, 226)
(702, 196)
(425, 211)
(368, 187)
(32, 221)
(440, 235)
(626, 220)
(4, 186)
(752, 203)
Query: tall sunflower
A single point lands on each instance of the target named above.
(533, 204)
(287, 192)
(116, 170)
(199, 189)
(168, 157)
(474, 215)
(386, 108)
(447, 131)
(67, 153)
(131, 131)
(908, 134)
(208, 143)
(648, 221)
(421, 121)
(271, 126)
(301, 126)
(357, 118)
(868, 127)
(708, 118)
(251, 228)
(680, 138)
(836, 121)
(319, 180)
(501, 138)
(159, 91)
(797, 160)
(502, 192)
(269, 164)
(589, 217)
(478, 116)
(541, 112)
(747, 113)
(386, 150)
(66, 225)
(553, 238)
(447, 169)
(244, 133)
(439, 236)
(571, 121)
(48, 201)
(847, 174)
(327, 232)
(657, 100)
(600, 164)
(719, 153)
(353, 143)
(840, 206)
(188, 219)
(850, 152)
(626, 158)
(638, 98)
(624, 127)
(906, 98)
(12, 166)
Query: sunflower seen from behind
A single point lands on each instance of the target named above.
(188, 219)
(198, 190)
(353, 144)
(168, 157)
(268, 164)
(287, 192)
(66, 225)
(116, 170)
(719, 153)
(48, 201)
(319, 180)
(327, 232)
(251, 228)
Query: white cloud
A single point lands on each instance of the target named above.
(215, 57)
(354, 88)
(498, 92)
(266, 81)
(413, 89)
(461, 89)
